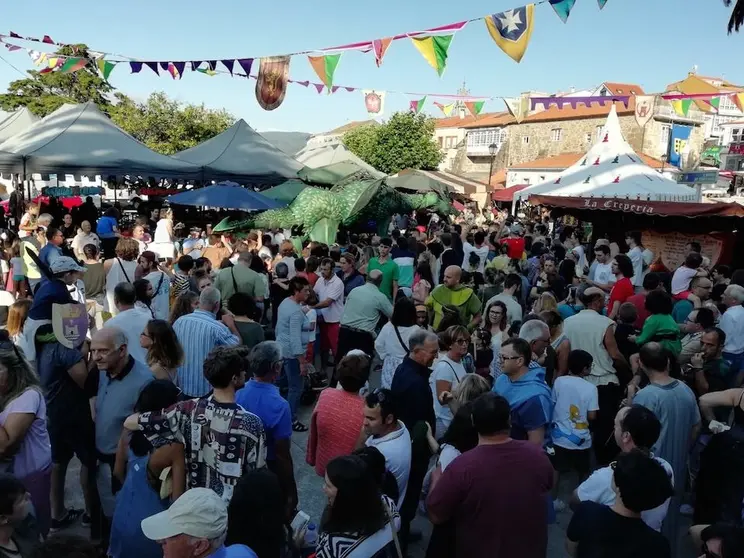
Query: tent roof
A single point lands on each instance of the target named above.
(81, 139)
(16, 122)
(611, 169)
(243, 155)
(289, 142)
(330, 153)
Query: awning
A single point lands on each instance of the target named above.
(642, 207)
(507, 194)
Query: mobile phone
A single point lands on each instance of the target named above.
(300, 521)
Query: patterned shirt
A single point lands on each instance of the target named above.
(222, 441)
(199, 333)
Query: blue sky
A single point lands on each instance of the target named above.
(649, 42)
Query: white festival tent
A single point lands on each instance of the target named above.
(611, 169)
(80, 139)
(242, 155)
(17, 122)
(334, 152)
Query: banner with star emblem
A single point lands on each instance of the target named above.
(511, 30)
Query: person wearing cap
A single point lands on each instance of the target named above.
(195, 526)
(65, 274)
(390, 270)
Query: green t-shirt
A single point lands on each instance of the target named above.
(463, 298)
(390, 273)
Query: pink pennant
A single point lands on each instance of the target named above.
(617, 180)
(319, 87)
(606, 138)
(48, 40)
(350, 89)
(334, 89)
(380, 47)
(303, 83)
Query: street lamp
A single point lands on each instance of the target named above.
(492, 149)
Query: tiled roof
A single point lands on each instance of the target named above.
(495, 119)
(623, 88)
(565, 160)
(350, 126)
(457, 122)
(498, 179)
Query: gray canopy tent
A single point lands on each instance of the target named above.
(242, 155)
(17, 122)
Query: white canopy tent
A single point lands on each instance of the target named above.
(17, 122)
(611, 169)
(334, 152)
(81, 139)
(242, 155)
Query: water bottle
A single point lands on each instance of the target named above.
(311, 540)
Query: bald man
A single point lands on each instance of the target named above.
(362, 312)
(117, 380)
(454, 296)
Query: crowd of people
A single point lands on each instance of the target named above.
(526, 368)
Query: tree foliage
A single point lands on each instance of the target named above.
(405, 141)
(45, 93)
(167, 126)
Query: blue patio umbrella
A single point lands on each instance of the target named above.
(226, 195)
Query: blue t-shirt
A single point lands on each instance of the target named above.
(234, 551)
(265, 401)
(105, 227)
(49, 253)
(50, 292)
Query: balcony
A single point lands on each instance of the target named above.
(665, 113)
(479, 141)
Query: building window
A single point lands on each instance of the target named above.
(588, 137)
(597, 133)
(481, 139)
(525, 140)
(664, 139)
(450, 142)
(727, 104)
(556, 134)
(441, 141)
(737, 135)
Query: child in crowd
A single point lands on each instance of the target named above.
(16, 270)
(575, 405)
(684, 274)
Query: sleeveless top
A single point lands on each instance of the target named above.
(558, 340)
(161, 232)
(135, 501)
(121, 271)
(739, 412)
(586, 331)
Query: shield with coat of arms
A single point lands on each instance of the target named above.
(644, 109)
(70, 324)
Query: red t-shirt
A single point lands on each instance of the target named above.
(639, 301)
(621, 291)
(516, 247)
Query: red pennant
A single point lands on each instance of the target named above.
(617, 180)
(606, 138)
(48, 40)
(380, 47)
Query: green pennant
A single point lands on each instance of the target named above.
(105, 67)
(73, 65)
(715, 102)
(475, 107)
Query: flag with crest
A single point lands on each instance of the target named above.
(511, 30)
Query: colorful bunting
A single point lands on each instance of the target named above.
(319, 87)
(511, 30)
(173, 71)
(738, 100)
(417, 106)
(715, 102)
(325, 67)
(374, 102)
(563, 8)
(229, 65)
(518, 107)
(136, 67)
(208, 71)
(682, 107)
(574, 101)
(379, 47)
(434, 50)
(246, 64)
(475, 107)
(153, 66)
(73, 65)
(601, 3)
(271, 83)
(105, 67)
(446, 109)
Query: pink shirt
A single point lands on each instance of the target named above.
(334, 428)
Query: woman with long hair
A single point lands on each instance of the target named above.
(495, 321)
(448, 372)
(139, 466)
(423, 280)
(245, 312)
(119, 269)
(355, 512)
(546, 302)
(144, 292)
(256, 517)
(184, 304)
(17, 314)
(164, 237)
(164, 352)
(392, 342)
(24, 439)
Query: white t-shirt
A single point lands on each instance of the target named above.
(598, 488)
(25, 220)
(308, 327)
(132, 322)
(603, 274)
(447, 455)
(732, 324)
(195, 245)
(681, 279)
(481, 252)
(396, 447)
(573, 398)
(446, 370)
(636, 258)
(161, 300)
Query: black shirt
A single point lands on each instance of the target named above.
(602, 533)
(411, 388)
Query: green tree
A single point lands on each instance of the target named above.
(44, 93)
(737, 15)
(167, 126)
(406, 141)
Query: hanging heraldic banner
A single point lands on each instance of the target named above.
(271, 85)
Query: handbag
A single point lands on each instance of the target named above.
(400, 340)
(396, 541)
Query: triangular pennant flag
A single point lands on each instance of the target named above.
(434, 50)
(325, 67)
(738, 100)
(380, 46)
(601, 3)
(136, 67)
(319, 87)
(207, 71)
(246, 64)
(173, 71)
(350, 89)
(511, 30)
(15, 35)
(681, 106)
(105, 67)
(474, 107)
(153, 66)
(180, 67)
(563, 8)
(518, 106)
(446, 109)
(164, 65)
(374, 102)
(302, 83)
(212, 64)
(48, 40)
(417, 106)
(36, 57)
(12, 48)
(53, 62)
(334, 88)
(73, 65)
(195, 65)
(229, 65)
(715, 102)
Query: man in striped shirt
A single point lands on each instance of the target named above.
(199, 333)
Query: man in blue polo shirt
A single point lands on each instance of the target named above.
(261, 397)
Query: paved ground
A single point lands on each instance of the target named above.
(312, 501)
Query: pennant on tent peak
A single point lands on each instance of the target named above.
(511, 30)
(271, 83)
(563, 8)
(434, 50)
(601, 3)
(475, 107)
(325, 67)
(417, 106)
(446, 109)
(644, 109)
(105, 67)
(682, 106)
(374, 102)
(380, 46)
(518, 107)
(73, 65)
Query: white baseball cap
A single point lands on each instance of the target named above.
(199, 513)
